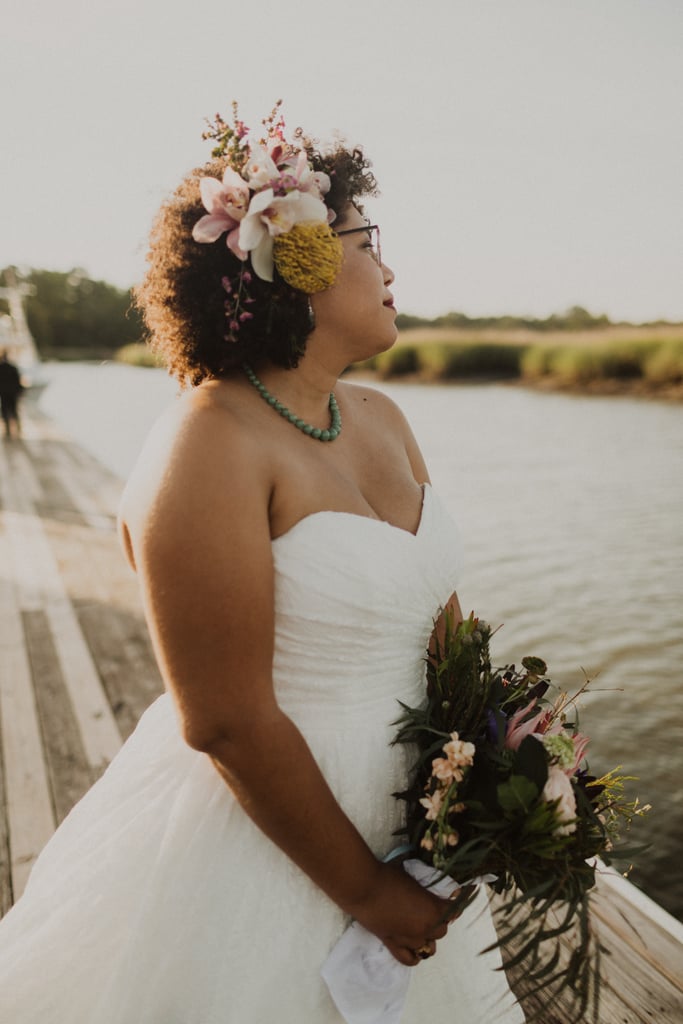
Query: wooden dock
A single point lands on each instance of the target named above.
(77, 671)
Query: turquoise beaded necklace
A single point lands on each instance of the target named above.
(334, 429)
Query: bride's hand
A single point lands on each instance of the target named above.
(405, 916)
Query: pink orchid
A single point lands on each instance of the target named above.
(226, 203)
(580, 744)
(279, 151)
(518, 728)
(549, 725)
(309, 180)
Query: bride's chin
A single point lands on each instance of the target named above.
(380, 345)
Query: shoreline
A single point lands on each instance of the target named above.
(607, 388)
(636, 362)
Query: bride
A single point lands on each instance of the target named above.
(292, 558)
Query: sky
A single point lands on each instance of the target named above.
(529, 152)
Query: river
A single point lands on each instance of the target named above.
(571, 513)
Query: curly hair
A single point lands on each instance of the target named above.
(182, 298)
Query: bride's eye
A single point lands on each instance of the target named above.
(372, 249)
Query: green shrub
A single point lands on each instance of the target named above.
(623, 360)
(664, 365)
(575, 365)
(398, 361)
(583, 364)
(536, 362)
(137, 354)
(463, 360)
(481, 360)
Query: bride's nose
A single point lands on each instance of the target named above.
(389, 275)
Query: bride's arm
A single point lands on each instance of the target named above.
(196, 519)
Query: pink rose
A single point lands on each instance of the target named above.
(558, 787)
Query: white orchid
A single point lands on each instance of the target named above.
(270, 215)
(260, 170)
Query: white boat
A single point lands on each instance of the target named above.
(15, 335)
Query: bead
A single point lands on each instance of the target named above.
(329, 434)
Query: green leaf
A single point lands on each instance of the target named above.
(531, 760)
(517, 794)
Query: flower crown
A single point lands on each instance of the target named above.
(270, 204)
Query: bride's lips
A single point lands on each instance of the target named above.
(389, 303)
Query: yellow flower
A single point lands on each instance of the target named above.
(308, 257)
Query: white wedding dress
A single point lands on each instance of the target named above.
(159, 902)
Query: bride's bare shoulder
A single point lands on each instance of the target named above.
(208, 418)
(366, 401)
(200, 448)
(375, 413)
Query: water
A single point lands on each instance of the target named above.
(570, 510)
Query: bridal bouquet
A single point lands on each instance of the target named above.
(501, 787)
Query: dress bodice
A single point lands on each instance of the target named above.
(355, 601)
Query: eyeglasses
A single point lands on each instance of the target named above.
(372, 231)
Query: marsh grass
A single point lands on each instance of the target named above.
(137, 354)
(626, 356)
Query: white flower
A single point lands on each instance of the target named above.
(458, 752)
(445, 771)
(259, 169)
(558, 787)
(433, 804)
(270, 215)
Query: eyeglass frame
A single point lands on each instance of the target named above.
(366, 227)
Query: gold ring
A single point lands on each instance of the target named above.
(424, 952)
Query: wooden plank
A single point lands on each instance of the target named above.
(41, 587)
(69, 773)
(5, 859)
(29, 812)
(126, 662)
(92, 489)
(641, 923)
(637, 984)
(19, 488)
(100, 734)
(105, 596)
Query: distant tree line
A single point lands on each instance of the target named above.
(68, 313)
(575, 319)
